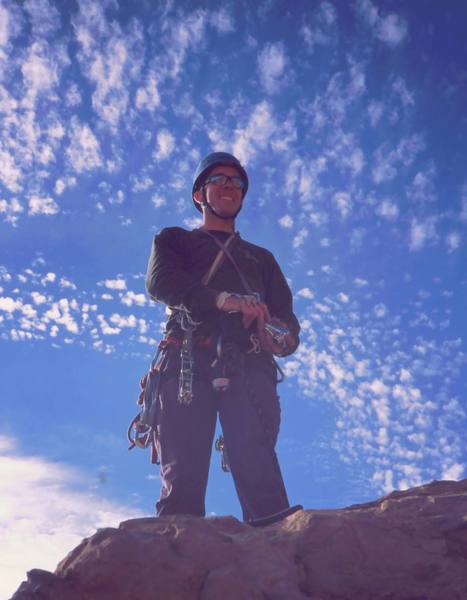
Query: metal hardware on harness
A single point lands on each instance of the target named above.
(141, 431)
(185, 390)
(277, 332)
(221, 383)
(138, 434)
(220, 447)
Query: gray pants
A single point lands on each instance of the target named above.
(249, 414)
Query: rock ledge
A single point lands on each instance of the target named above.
(410, 545)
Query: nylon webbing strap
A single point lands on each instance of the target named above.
(218, 260)
(227, 253)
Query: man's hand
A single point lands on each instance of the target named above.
(270, 345)
(251, 310)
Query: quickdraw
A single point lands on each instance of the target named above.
(185, 389)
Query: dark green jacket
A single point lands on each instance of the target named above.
(179, 259)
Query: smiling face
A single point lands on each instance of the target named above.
(224, 199)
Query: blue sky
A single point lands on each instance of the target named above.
(350, 119)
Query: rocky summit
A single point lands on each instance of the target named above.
(409, 545)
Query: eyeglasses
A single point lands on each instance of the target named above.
(221, 179)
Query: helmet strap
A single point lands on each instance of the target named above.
(212, 211)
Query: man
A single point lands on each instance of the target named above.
(222, 294)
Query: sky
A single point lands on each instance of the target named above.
(350, 118)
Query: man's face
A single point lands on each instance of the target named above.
(225, 199)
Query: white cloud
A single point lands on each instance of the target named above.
(222, 21)
(257, 133)
(400, 87)
(131, 298)
(38, 298)
(375, 112)
(305, 293)
(165, 145)
(286, 221)
(344, 150)
(39, 73)
(46, 510)
(106, 328)
(109, 57)
(322, 30)
(11, 209)
(10, 173)
(42, 206)
(388, 210)
(300, 238)
(453, 241)
(66, 283)
(422, 188)
(343, 202)
(147, 97)
(453, 472)
(48, 278)
(59, 312)
(84, 151)
(44, 17)
(9, 305)
(380, 310)
(115, 284)
(405, 375)
(344, 88)
(193, 222)
(185, 33)
(387, 160)
(73, 95)
(62, 183)
(158, 200)
(122, 321)
(421, 233)
(390, 29)
(359, 282)
(272, 62)
(141, 184)
(4, 22)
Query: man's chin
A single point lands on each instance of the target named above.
(227, 213)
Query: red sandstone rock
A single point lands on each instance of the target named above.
(409, 545)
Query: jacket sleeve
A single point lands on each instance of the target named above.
(279, 300)
(168, 281)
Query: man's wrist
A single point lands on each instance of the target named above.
(221, 299)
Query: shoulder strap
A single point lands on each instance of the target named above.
(218, 260)
(226, 252)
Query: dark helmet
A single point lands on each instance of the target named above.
(213, 160)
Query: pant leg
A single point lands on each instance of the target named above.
(250, 417)
(184, 444)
